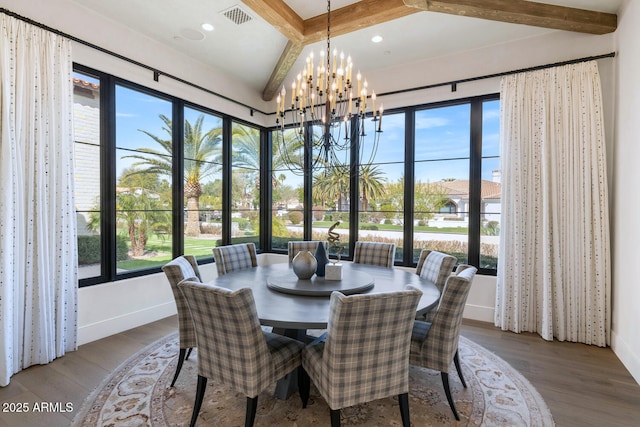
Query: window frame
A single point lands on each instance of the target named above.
(107, 122)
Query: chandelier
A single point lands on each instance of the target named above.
(332, 108)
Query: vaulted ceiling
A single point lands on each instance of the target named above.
(264, 42)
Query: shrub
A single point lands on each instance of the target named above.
(318, 213)
(388, 221)
(89, 249)
(295, 217)
(368, 227)
(122, 250)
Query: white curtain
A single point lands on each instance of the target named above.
(554, 272)
(38, 258)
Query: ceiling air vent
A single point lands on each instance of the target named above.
(237, 15)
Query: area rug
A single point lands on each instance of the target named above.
(138, 394)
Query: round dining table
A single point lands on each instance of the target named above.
(293, 306)
(285, 302)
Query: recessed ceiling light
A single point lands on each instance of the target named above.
(207, 27)
(376, 39)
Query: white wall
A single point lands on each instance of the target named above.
(626, 197)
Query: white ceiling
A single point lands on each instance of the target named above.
(249, 51)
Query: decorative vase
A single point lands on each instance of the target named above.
(321, 258)
(304, 265)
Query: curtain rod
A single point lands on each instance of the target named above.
(454, 83)
(157, 73)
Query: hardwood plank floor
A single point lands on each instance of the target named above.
(582, 385)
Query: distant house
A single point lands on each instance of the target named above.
(86, 105)
(455, 212)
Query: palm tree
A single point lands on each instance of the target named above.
(201, 149)
(371, 184)
(331, 184)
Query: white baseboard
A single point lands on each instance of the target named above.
(114, 325)
(626, 355)
(477, 312)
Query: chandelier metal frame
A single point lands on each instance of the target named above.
(324, 99)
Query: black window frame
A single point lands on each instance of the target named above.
(108, 85)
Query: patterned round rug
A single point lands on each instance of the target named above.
(138, 394)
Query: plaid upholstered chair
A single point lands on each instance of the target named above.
(183, 267)
(232, 348)
(375, 253)
(436, 267)
(235, 257)
(366, 353)
(434, 345)
(299, 246)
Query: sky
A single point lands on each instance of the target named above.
(442, 136)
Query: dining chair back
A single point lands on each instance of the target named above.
(375, 253)
(365, 355)
(434, 345)
(177, 270)
(232, 348)
(435, 266)
(235, 257)
(303, 245)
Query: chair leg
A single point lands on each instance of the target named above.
(447, 391)
(304, 385)
(456, 360)
(179, 367)
(403, 400)
(252, 405)
(188, 353)
(202, 385)
(335, 417)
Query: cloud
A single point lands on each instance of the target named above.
(431, 122)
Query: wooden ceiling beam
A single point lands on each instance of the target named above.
(366, 13)
(280, 16)
(354, 17)
(287, 59)
(524, 12)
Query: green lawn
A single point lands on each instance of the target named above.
(192, 246)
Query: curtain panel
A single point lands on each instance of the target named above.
(554, 274)
(38, 255)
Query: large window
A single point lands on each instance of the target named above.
(245, 184)
(156, 178)
(441, 180)
(490, 188)
(381, 185)
(143, 179)
(202, 182)
(287, 189)
(87, 147)
(331, 195)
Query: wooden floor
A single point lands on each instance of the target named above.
(582, 385)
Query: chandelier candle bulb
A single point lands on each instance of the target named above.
(373, 100)
(323, 94)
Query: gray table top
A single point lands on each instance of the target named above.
(287, 311)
